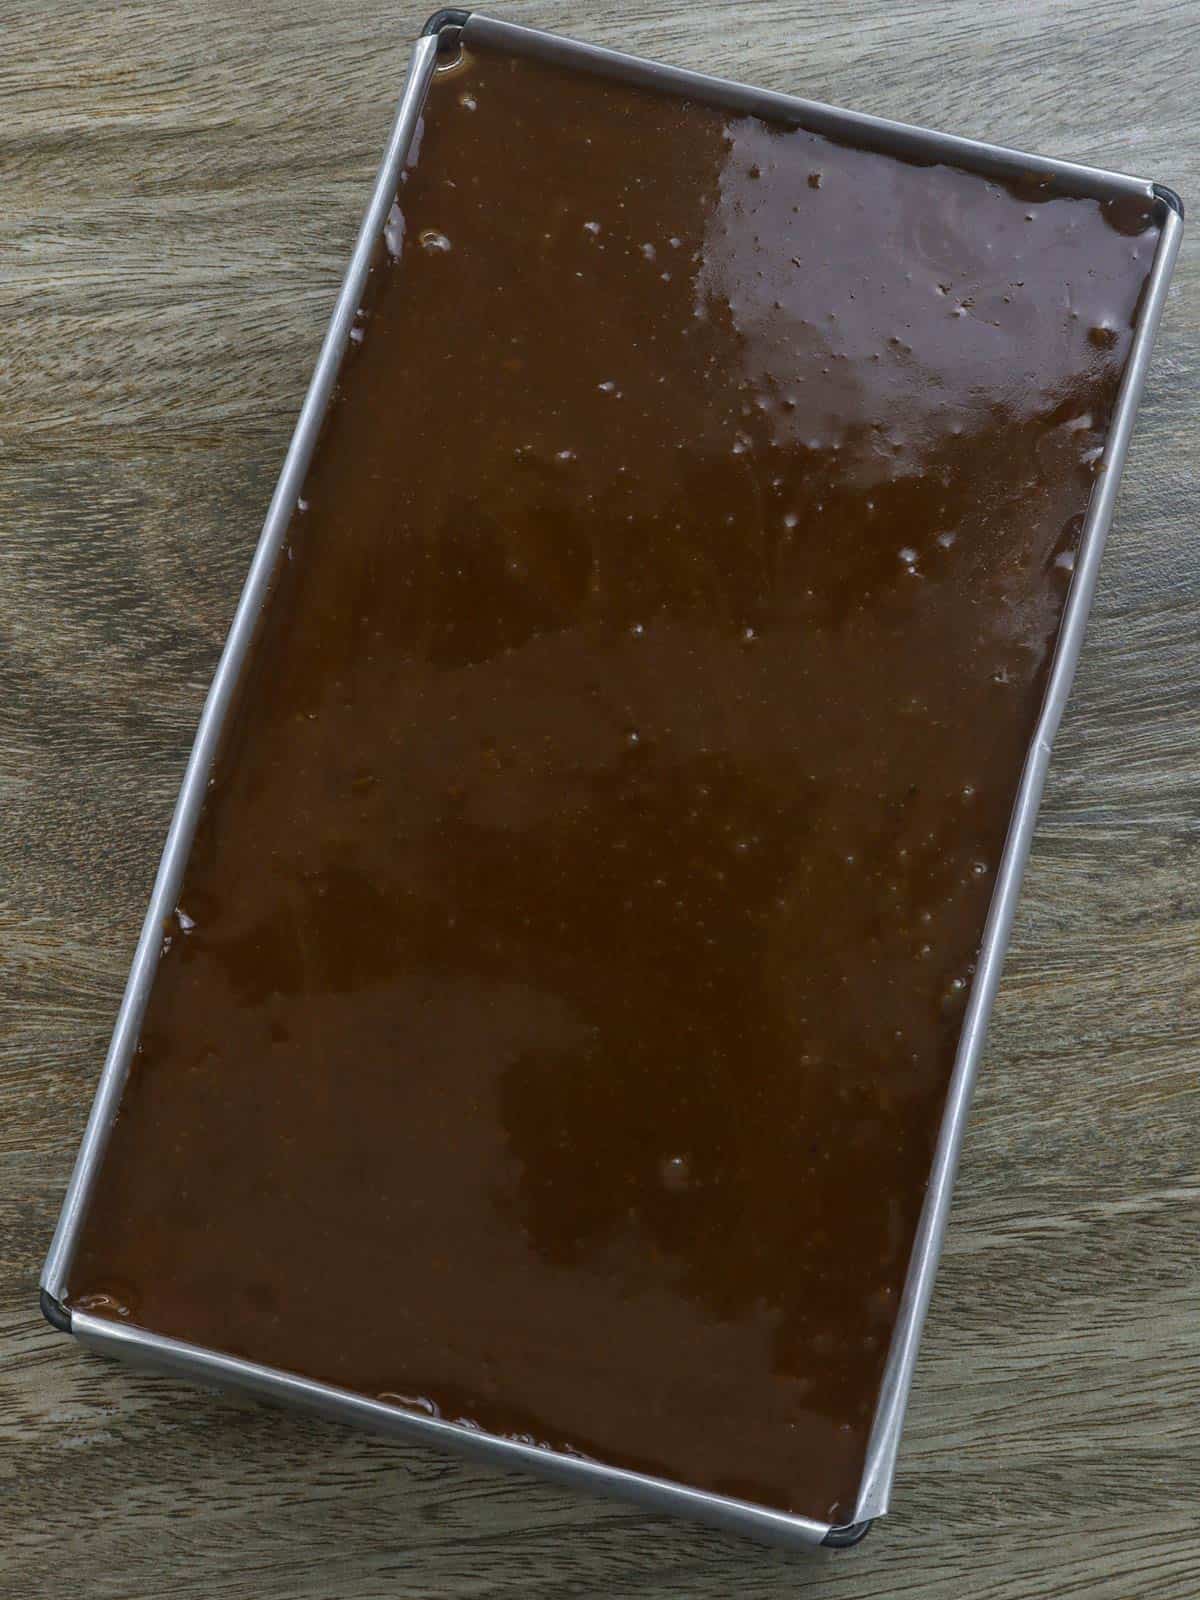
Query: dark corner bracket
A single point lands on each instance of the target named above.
(850, 1533)
(1169, 198)
(443, 22)
(55, 1313)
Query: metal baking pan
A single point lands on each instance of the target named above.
(445, 33)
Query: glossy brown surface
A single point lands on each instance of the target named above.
(572, 955)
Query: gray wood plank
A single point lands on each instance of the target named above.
(181, 182)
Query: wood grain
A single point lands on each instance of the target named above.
(180, 185)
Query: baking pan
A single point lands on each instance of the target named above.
(443, 37)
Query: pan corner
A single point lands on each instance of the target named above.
(54, 1311)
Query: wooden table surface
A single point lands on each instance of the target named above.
(179, 186)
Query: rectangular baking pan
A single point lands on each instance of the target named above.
(445, 33)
